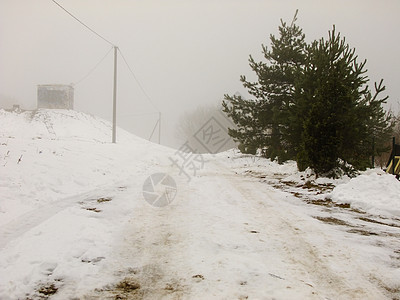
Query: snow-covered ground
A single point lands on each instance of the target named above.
(74, 222)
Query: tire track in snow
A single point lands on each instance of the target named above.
(151, 246)
(26, 222)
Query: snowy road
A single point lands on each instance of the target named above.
(229, 237)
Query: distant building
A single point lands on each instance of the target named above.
(57, 96)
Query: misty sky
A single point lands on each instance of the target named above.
(185, 53)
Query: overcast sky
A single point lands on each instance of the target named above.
(185, 53)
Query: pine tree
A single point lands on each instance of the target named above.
(312, 103)
(246, 116)
(262, 121)
(378, 127)
(334, 112)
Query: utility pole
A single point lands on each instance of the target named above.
(114, 128)
(159, 128)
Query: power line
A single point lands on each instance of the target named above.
(94, 68)
(137, 81)
(115, 69)
(139, 114)
(148, 98)
(103, 38)
(154, 129)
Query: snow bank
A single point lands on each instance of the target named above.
(246, 162)
(374, 192)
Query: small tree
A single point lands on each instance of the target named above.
(335, 113)
(384, 143)
(262, 121)
(396, 127)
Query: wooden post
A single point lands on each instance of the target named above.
(394, 154)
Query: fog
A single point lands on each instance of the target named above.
(184, 53)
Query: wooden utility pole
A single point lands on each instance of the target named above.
(114, 128)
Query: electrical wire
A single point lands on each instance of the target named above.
(103, 38)
(140, 114)
(94, 68)
(112, 44)
(137, 81)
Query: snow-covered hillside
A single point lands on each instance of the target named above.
(58, 168)
(50, 154)
(75, 223)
